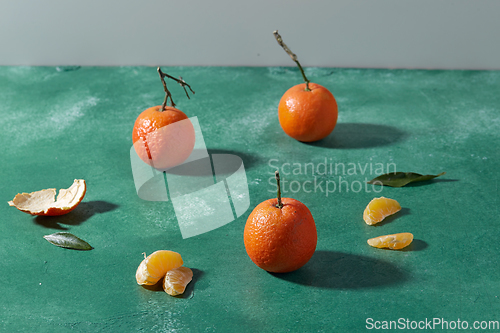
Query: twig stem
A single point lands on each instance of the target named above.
(168, 95)
(280, 204)
(292, 55)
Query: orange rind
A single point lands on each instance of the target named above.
(176, 280)
(393, 242)
(379, 208)
(44, 202)
(155, 266)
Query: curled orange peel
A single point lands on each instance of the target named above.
(44, 202)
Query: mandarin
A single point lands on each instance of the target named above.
(158, 142)
(163, 136)
(280, 234)
(308, 115)
(307, 112)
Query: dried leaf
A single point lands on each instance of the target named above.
(400, 179)
(68, 241)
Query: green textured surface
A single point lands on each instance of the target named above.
(62, 125)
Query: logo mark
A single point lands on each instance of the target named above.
(207, 190)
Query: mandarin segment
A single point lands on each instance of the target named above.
(379, 208)
(176, 280)
(394, 242)
(156, 265)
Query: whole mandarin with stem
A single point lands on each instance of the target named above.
(307, 112)
(280, 234)
(156, 141)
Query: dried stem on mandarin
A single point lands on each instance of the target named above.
(180, 80)
(292, 55)
(280, 204)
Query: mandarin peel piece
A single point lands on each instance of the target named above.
(44, 202)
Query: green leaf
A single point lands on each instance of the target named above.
(68, 241)
(400, 179)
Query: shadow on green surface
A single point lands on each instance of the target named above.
(431, 181)
(416, 245)
(338, 270)
(196, 169)
(249, 161)
(404, 211)
(361, 135)
(188, 293)
(80, 214)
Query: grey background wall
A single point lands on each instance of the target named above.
(448, 34)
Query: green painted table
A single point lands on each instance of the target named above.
(59, 124)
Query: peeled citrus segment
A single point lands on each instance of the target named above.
(379, 208)
(176, 280)
(44, 202)
(394, 242)
(156, 265)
